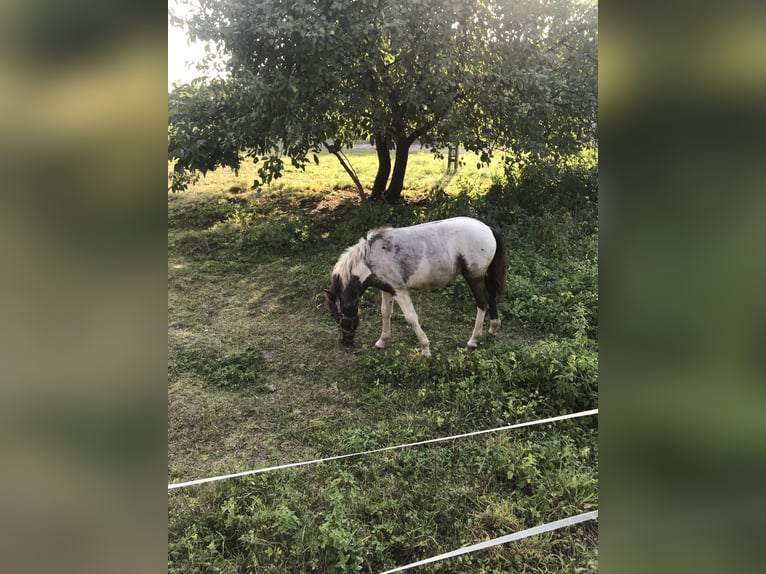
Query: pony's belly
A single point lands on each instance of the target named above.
(427, 285)
(429, 277)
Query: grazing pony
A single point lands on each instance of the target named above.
(425, 256)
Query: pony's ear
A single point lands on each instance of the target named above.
(328, 297)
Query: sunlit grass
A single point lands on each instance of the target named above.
(424, 172)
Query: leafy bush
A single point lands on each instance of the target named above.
(492, 385)
(554, 294)
(540, 185)
(371, 215)
(440, 205)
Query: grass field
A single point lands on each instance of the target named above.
(256, 378)
(424, 171)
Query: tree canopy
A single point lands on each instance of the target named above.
(307, 75)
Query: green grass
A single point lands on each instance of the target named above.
(424, 172)
(256, 378)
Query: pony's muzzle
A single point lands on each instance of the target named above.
(346, 338)
(347, 329)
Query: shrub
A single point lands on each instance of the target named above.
(538, 185)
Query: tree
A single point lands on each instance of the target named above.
(282, 97)
(310, 74)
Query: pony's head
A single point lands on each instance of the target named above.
(346, 288)
(343, 303)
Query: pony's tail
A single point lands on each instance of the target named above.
(497, 268)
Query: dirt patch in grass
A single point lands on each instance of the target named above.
(335, 203)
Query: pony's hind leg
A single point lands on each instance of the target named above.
(494, 318)
(405, 303)
(386, 310)
(482, 297)
(473, 342)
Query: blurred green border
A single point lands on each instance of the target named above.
(83, 103)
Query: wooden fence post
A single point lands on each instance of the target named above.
(452, 155)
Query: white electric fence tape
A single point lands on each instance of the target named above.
(593, 515)
(338, 457)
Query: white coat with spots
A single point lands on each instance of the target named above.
(425, 256)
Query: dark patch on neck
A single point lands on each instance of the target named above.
(374, 281)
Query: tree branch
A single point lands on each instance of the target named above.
(336, 150)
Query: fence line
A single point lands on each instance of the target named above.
(383, 449)
(593, 515)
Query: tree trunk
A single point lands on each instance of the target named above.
(384, 167)
(394, 192)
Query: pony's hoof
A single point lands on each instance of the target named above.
(380, 344)
(470, 348)
(425, 352)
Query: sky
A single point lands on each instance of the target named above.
(181, 52)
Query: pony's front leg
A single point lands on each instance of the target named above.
(386, 310)
(405, 303)
(473, 342)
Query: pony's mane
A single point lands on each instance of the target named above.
(353, 256)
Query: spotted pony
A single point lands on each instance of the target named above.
(420, 257)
